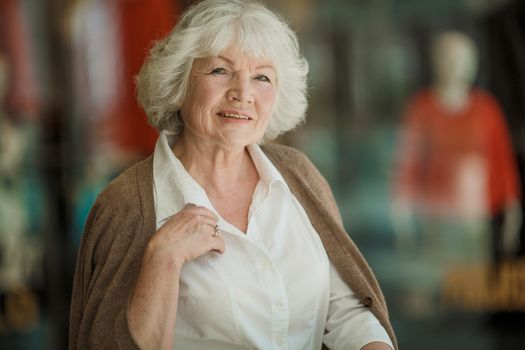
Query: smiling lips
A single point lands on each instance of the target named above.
(234, 115)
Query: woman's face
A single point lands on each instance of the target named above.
(230, 99)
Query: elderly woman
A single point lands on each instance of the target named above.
(217, 241)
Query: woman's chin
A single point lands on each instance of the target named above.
(238, 139)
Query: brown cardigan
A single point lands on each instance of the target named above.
(122, 221)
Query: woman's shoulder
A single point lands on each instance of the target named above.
(294, 165)
(287, 155)
(121, 209)
(303, 177)
(126, 189)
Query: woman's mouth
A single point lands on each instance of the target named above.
(232, 115)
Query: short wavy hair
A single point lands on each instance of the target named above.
(204, 30)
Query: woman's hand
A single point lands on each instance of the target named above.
(185, 236)
(153, 306)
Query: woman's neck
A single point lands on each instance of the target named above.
(220, 171)
(228, 176)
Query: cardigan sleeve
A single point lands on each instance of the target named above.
(350, 325)
(107, 267)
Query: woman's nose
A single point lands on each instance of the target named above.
(240, 90)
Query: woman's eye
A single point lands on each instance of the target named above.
(261, 77)
(218, 71)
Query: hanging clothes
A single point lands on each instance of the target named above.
(24, 97)
(111, 41)
(452, 158)
(141, 22)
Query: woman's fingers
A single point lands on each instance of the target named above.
(195, 220)
(219, 245)
(190, 210)
(215, 239)
(191, 232)
(196, 240)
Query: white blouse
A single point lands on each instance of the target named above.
(274, 287)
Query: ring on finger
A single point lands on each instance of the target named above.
(216, 231)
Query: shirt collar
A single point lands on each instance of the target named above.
(174, 187)
(268, 173)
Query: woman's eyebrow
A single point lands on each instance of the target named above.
(224, 58)
(230, 61)
(263, 66)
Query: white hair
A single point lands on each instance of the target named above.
(206, 29)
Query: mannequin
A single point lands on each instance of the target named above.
(456, 161)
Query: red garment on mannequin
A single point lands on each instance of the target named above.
(436, 142)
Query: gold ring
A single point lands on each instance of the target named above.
(216, 230)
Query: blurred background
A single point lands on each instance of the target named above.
(416, 118)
